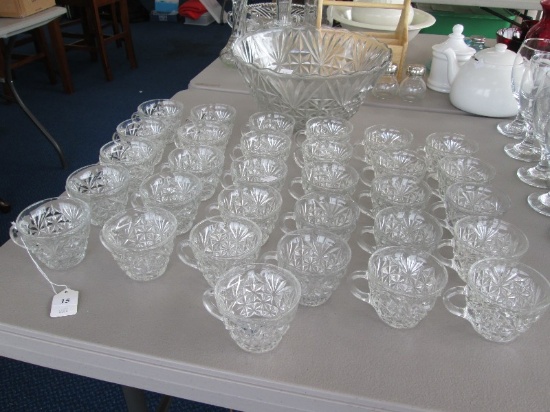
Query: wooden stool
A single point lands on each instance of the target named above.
(92, 38)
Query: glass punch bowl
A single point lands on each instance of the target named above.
(306, 72)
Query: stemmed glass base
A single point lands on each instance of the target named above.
(524, 151)
(540, 202)
(514, 129)
(534, 176)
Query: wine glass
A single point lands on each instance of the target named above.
(533, 78)
(516, 128)
(527, 150)
(541, 202)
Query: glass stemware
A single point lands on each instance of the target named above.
(541, 202)
(527, 150)
(534, 76)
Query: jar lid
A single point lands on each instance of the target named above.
(498, 55)
(392, 69)
(456, 42)
(416, 70)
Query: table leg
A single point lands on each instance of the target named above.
(9, 82)
(135, 399)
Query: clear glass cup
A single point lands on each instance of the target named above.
(503, 298)
(441, 144)
(141, 257)
(317, 149)
(149, 129)
(167, 110)
(216, 112)
(271, 121)
(470, 199)
(260, 170)
(205, 162)
(256, 302)
(263, 143)
(394, 190)
(382, 137)
(402, 226)
(329, 127)
(478, 237)
(217, 244)
(455, 169)
(55, 231)
(178, 192)
(259, 203)
(406, 162)
(325, 177)
(403, 285)
(103, 187)
(335, 213)
(207, 133)
(319, 260)
(139, 157)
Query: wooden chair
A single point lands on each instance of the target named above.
(93, 38)
(24, 55)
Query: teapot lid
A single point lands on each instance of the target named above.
(498, 55)
(456, 42)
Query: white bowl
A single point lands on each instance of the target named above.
(379, 16)
(420, 20)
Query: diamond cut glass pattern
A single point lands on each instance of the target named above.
(55, 231)
(257, 303)
(404, 285)
(503, 298)
(141, 241)
(319, 259)
(305, 72)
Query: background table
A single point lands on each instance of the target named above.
(335, 357)
(9, 29)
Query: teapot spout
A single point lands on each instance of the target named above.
(452, 64)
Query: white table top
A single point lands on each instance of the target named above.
(221, 77)
(336, 357)
(12, 26)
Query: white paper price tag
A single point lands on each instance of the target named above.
(65, 303)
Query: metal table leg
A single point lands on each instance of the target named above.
(9, 82)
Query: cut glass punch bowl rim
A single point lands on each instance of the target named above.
(307, 72)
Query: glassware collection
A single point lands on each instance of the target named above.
(421, 205)
(145, 193)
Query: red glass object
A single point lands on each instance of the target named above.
(542, 28)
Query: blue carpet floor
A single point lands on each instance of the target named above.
(169, 56)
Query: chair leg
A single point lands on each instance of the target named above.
(56, 38)
(41, 47)
(125, 22)
(98, 30)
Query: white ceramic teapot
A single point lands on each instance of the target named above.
(482, 85)
(438, 79)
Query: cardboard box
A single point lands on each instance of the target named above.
(173, 16)
(166, 6)
(23, 8)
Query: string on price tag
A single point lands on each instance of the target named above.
(65, 302)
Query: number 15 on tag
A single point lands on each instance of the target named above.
(65, 303)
